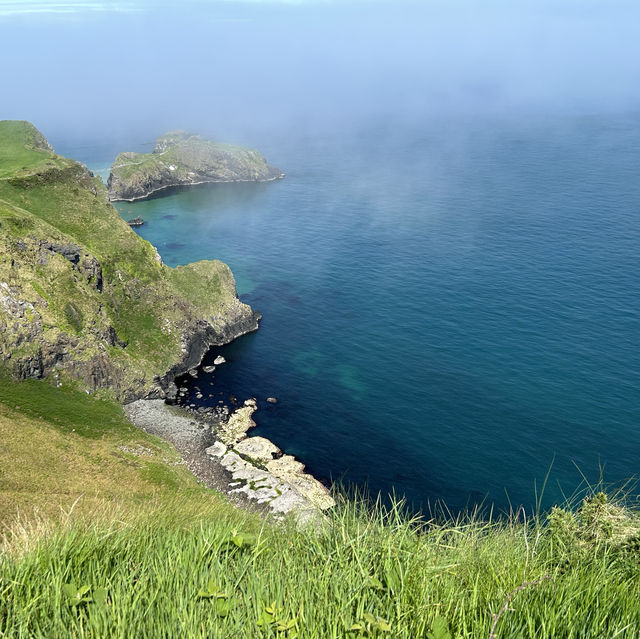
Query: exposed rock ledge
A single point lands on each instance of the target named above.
(252, 471)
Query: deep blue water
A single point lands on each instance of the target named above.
(448, 306)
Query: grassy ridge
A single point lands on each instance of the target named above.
(60, 445)
(177, 572)
(23, 148)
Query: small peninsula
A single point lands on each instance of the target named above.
(180, 159)
(83, 298)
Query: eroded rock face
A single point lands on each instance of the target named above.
(81, 260)
(239, 423)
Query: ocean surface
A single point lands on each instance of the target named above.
(451, 307)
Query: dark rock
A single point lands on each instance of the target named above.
(88, 265)
(171, 392)
(136, 221)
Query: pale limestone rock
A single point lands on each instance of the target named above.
(288, 469)
(217, 450)
(239, 423)
(258, 448)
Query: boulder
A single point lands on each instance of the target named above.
(258, 448)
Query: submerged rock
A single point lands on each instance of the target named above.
(272, 400)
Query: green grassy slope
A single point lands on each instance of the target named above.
(23, 148)
(111, 316)
(183, 572)
(62, 447)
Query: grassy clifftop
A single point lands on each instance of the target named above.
(181, 159)
(81, 295)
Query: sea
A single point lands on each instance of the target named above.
(451, 305)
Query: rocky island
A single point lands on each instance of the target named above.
(180, 159)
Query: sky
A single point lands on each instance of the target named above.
(240, 66)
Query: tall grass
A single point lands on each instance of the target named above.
(178, 571)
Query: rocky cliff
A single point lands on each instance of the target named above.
(83, 299)
(180, 159)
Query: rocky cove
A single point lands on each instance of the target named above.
(215, 446)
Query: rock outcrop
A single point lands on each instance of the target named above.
(252, 471)
(180, 159)
(260, 470)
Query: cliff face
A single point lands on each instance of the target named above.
(82, 297)
(180, 159)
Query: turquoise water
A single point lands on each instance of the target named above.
(449, 306)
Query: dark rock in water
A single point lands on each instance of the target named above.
(219, 360)
(208, 369)
(136, 221)
(272, 400)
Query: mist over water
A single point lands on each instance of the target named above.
(444, 325)
(235, 69)
(449, 272)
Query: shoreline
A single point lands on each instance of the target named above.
(251, 471)
(165, 187)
